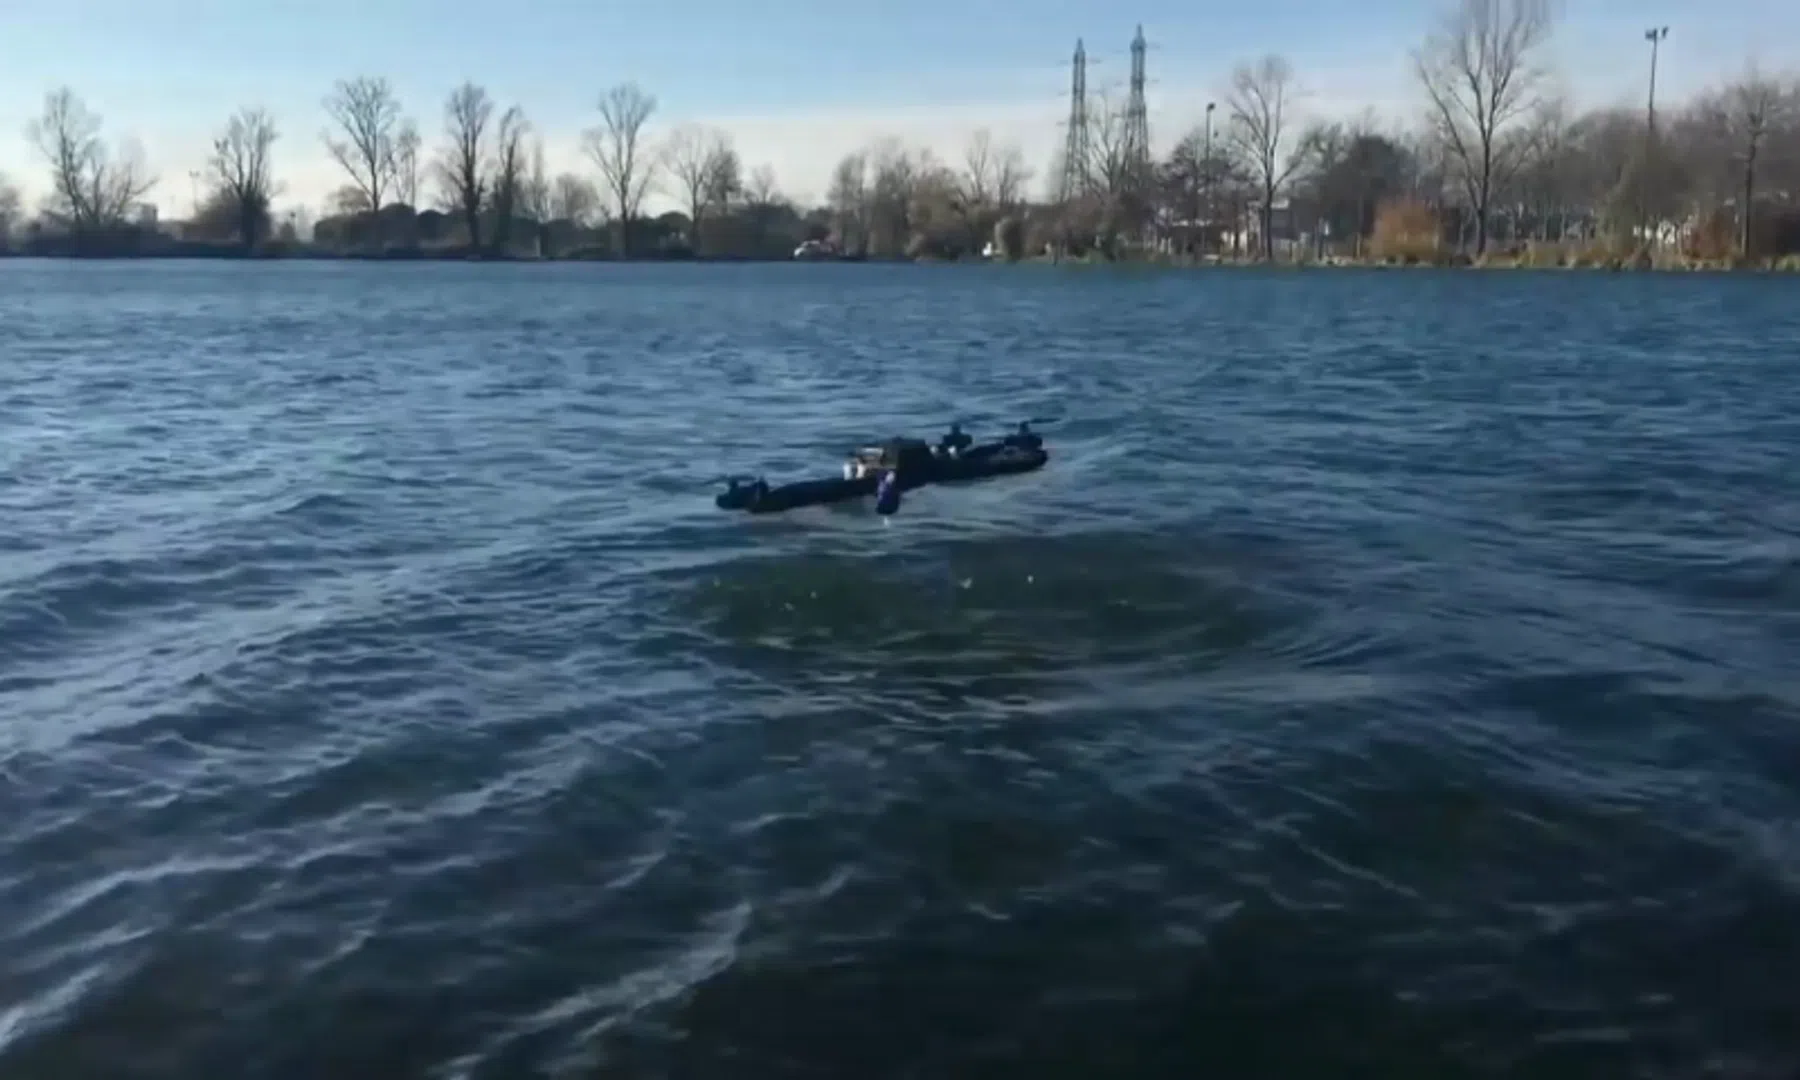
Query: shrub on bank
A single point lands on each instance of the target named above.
(1711, 239)
(1407, 231)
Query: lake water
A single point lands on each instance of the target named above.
(1392, 675)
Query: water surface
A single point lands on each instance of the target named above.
(1392, 675)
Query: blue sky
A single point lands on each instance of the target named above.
(797, 82)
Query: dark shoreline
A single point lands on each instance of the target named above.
(276, 252)
(1762, 267)
(213, 254)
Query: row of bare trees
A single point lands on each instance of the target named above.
(1499, 154)
(1498, 150)
(92, 185)
(96, 188)
(889, 199)
(487, 173)
(1503, 140)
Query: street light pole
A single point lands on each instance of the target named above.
(1654, 36)
(1208, 177)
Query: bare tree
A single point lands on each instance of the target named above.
(91, 188)
(627, 168)
(896, 176)
(726, 181)
(974, 183)
(462, 166)
(1182, 184)
(762, 204)
(698, 159)
(242, 174)
(1257, 111)
(1107, 162)
(971, 189)
(1546, 176)
(992, 175)
(850, 202)
(572, 199)
(367, 148)
(1481, 73)
(761, 189)
(508, 184)
(1745, 114)
(536, 191)
(1192, 179)
(1010, 176)
(406, 166)
(943, 225)
(9, 211)
(1114, 197)
(988, 184)
(1316, 187)
(907, 187)
(536, 197)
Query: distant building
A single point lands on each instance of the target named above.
(146, 214)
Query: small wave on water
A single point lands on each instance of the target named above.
(1332, 705)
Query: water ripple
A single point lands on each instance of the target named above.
(1392, 675)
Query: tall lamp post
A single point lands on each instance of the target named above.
(1208, 178)
(1654, 36)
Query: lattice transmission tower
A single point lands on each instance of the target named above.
(1137, 113)
(1077, 156)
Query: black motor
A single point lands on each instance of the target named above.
(955, 441)
(1024, 438)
